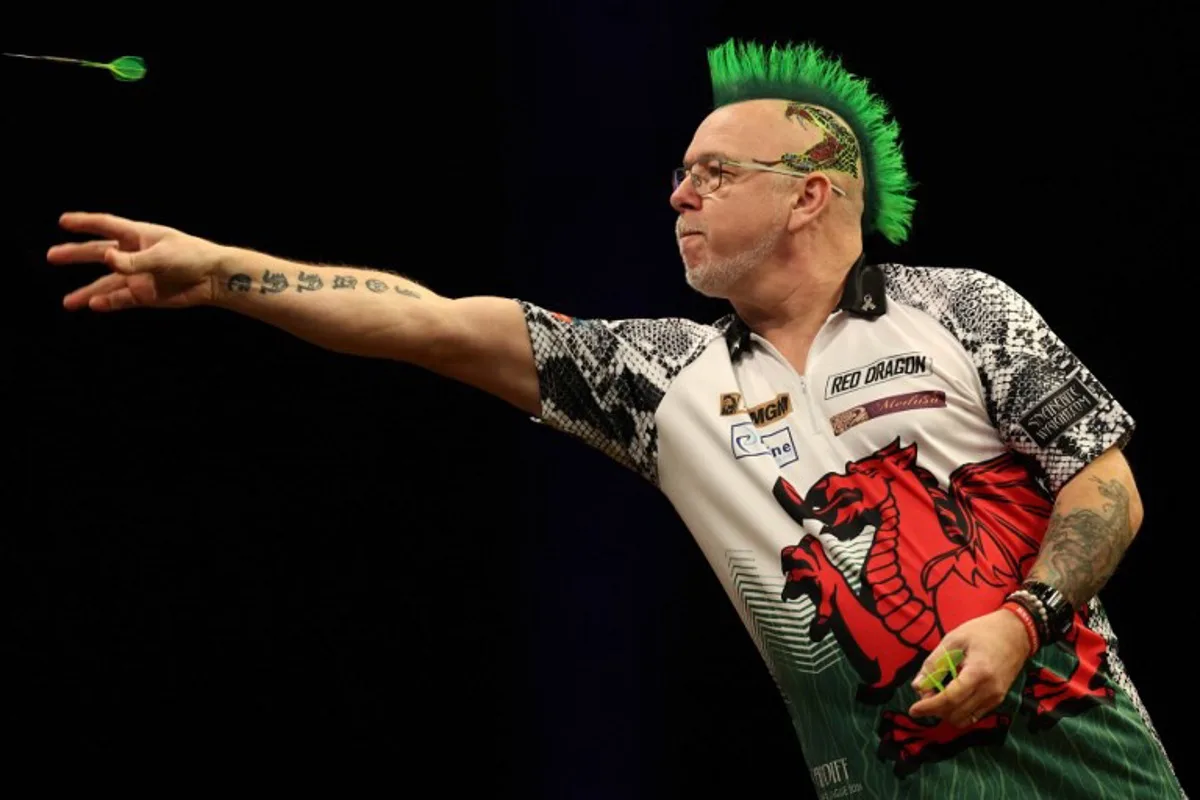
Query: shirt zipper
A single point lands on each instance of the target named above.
(813, 421)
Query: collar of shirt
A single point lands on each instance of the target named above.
(863, 295)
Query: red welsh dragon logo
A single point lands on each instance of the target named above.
(938, 559)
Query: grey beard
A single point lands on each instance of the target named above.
(716, 277)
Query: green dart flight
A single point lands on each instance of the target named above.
(125, 68)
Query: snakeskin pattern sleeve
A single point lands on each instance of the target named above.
(601, 380)
(1043, 401)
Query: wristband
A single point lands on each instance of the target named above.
(1037, 612)
(1027, 620)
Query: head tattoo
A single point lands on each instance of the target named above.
(815, 85)
(837, 149)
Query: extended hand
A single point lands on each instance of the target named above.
(995, 647)
(153, 266)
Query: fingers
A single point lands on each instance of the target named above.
(956, 702)
(119, 260)
(953, 707)
(80, 253)
(113, 301)
(82, 297)
(106, 225)
(966, 700)
(116, 292)
(938, 667)
(104, 252)
(967, 710)
(122, 237)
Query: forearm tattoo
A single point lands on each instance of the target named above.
(1083, 546)
(277, 283)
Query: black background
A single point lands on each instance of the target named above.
(228, 543)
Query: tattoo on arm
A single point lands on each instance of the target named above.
(276, 282)
(1082, 547)
(273, 282)
(309, 282)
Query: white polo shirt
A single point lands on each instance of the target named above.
(859, 511)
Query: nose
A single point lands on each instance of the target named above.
(685, 197)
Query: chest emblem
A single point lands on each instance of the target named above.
(881, 371)
(761, 414)
(939, 556)
(845, 420)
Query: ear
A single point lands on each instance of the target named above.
(814, 193)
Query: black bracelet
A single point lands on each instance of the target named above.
(1059, 611)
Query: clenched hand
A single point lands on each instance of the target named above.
(995, 648)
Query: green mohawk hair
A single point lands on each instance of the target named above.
(804, 74)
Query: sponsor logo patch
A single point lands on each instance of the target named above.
(877, 372)
(746, 442)
(1065, 406)
(761, 414)
(845, 420)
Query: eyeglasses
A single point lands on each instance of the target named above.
(706, 176)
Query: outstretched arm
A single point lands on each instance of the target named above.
(598, 380)
(480, 341)
(1096, 515)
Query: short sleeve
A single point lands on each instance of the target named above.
(1044, 402)
(602, 381)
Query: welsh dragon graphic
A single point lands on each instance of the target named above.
(938, 558)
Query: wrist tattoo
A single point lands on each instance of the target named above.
(309, 283)
(273, 282)
(277, 282)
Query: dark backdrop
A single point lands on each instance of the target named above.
(227, 543)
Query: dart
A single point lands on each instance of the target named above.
(125, 68)
(947, 664)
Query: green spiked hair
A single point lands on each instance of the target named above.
(804, 74)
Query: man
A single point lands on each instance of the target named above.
(901, 476)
